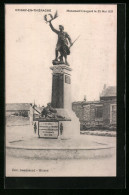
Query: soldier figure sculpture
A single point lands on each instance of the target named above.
(62, 44)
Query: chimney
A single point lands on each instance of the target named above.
(105, 86)
(85, 98)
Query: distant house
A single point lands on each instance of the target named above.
(20, 109)
(108, 97)
(98, 114)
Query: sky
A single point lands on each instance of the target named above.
(30, 48)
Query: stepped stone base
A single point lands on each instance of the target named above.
(71, 128)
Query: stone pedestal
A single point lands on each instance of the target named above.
(61, 86)
(61, 100)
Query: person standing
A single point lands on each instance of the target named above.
(35, 127)
(61, 129)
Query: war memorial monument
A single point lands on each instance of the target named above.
(61, 120)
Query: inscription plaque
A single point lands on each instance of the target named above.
(67, 79)
(48, 129)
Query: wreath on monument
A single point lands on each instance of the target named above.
(51, 17)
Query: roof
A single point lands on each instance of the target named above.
(17, 106)
(109, 92)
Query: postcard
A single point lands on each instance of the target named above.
(61, 100)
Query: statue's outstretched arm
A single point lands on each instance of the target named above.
(53, 29)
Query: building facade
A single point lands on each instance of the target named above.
(98, 114)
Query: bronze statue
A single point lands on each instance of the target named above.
(62, 43)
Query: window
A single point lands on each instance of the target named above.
(113, 113)
(99, 111)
